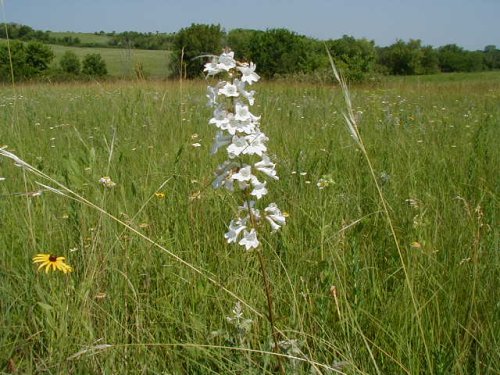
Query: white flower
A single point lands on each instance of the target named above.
(238, 145)
(259, 188)
(255, 213)
(229, 90)
(244, 174)
(256, 144)
(226, 61)
(222, 174)
(106, 182)
(248, 72)
(235, 228)
(220, 118)
(212, 93)
(246, 94)
(267, 167)
(2, 178)
(220, 140)
(274, 217)
(212, 67)
(249, 240)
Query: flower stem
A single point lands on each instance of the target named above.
(270, 314)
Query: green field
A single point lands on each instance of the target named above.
(121, 62)
(338, 283)
(84, 37)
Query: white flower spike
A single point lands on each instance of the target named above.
(238, 131)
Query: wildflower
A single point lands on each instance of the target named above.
(160, 195)
(52, 261)
(249, 239)
(226, 61)
(325, 181)
(196, 145)
(235, 228)
(416, 245)
(248, 72)
(107, 182)
(229, 90)
(238, 131)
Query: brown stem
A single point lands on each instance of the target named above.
(270, 315)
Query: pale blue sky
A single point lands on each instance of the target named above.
(471, 24)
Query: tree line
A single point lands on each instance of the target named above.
(281, 52)
(126, 39)
(277, 52)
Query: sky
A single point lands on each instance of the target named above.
(471, 24)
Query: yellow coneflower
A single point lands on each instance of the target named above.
(52, 261)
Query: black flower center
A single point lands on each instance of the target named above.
(52, 258)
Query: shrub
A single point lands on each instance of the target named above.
(192, 42)
(70, 63)
(94, 65)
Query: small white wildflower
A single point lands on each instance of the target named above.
(274, 216)
(249, 240)
(229, 90)
(235, 228)
(248, 72)
(259, 188)
(238, 146)
(226, 61)
(211, 67)
(220, 140)
(244, 174)
(267, 167)
(107, 182)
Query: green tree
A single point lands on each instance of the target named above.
(402, 58)
(282, 52)
(38, 56)
(94, 65)
(240, 41)
(28, 60)
(492, 57)
(190, 44)
(355, 57)
(70, 63)
(16, 55)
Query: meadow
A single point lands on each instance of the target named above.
(121, 62)
(154, 281)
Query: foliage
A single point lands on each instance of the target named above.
(133, 39)
(94, 65)
(190, 44)
(281, 52)
(240, 41)
(28, 60)
(355, 57)
(492, 57)
(70, 63)
(453, 58)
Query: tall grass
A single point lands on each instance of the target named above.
(338, 282)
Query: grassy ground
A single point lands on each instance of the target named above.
(338, 282)
(84, 37)
(121, 62)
